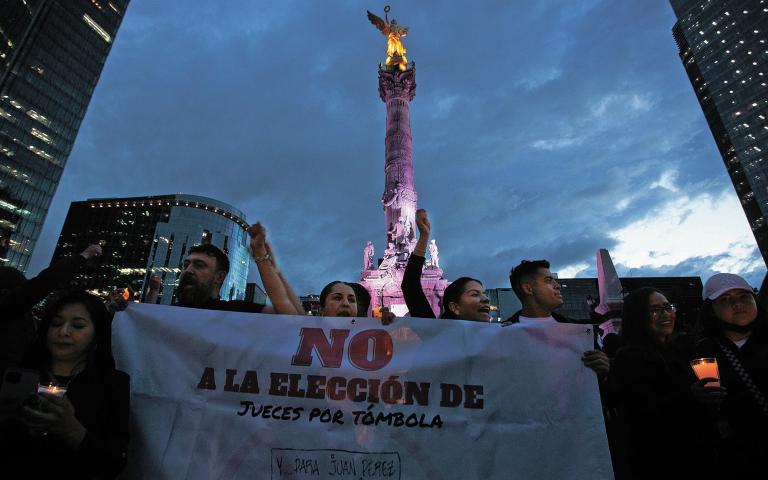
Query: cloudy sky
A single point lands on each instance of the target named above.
(543, 129)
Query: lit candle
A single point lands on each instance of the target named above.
(52, 389)
(706, 368)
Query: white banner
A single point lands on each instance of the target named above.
(223, 395)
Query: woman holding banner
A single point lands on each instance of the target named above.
(77, 424)
(463, 299)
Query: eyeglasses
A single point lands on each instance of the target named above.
(656, 311)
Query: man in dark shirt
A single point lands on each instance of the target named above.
(202, 275)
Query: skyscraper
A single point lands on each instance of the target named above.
(142, 236)
(724, 48)
(51, 55)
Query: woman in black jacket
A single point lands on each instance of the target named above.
(734, 330)
(651, 384)
(84, 433)
(464, 298)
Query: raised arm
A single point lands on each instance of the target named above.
(22, 298)
(273, 283)
(291, 295)
(418, 305)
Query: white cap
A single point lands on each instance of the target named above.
(720, 283)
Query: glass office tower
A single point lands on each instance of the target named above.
(724, 48)
(142, 236)
(51, 55)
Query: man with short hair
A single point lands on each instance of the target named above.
(539, 292)
(202, 275)
(205, 268)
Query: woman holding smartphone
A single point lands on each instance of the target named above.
(77, 425)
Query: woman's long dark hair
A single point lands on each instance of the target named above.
(635, 318)
(453, 293)
(100, 356)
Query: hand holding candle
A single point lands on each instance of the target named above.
(51, 389)
(706, 368)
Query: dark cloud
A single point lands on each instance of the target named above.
(532, 123)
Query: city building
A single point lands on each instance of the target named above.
(504, 303)
(724, 49)
(52, 53)
(142, 236)
(311, 304)
(255, 294)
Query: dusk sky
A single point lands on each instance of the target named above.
(543, 129)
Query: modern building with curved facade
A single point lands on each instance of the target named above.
(142, 236)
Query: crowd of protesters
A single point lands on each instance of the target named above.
(662, 421)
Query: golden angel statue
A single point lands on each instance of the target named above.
(394, 32)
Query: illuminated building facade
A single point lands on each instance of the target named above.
(724, 49)
(142, 236)
(254, 294)
(51, 56)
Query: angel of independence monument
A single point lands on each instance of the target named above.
(397, 86)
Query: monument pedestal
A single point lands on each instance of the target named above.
(384, 287)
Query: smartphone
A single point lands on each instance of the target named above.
(18, 385)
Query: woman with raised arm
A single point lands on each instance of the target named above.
(463, 299)
(279, 291)
(84, 432)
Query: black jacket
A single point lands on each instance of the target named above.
(413, 294)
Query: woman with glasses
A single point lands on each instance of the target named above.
(650, 380)
(734, 330)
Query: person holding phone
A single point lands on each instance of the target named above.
(82, 433)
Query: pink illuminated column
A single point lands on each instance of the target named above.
(397, 89)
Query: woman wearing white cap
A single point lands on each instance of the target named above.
(735, 331)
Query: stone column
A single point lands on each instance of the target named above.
(396, 90)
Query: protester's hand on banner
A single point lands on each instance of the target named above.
(117, 300)
(387, 317)
(597, 361)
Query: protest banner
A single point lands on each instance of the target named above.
(225, 395)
